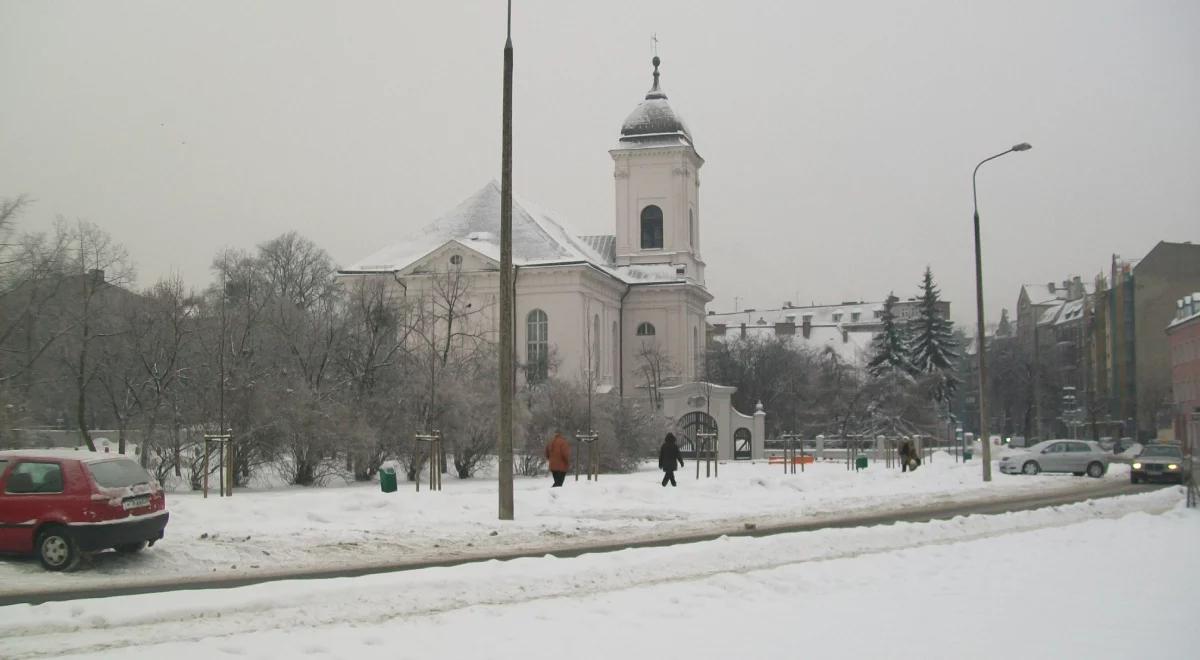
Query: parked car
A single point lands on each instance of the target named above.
(1078, 457)
(60, 504)
(1162, 462)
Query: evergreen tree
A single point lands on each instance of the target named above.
(934, 350)
(889, 348)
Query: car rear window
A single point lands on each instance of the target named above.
(118, 474)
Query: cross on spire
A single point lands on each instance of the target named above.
(654, 43)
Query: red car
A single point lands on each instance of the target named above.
(60, 504)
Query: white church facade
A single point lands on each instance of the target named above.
(590, 308)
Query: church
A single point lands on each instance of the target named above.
(623, 311)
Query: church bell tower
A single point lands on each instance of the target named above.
(658, 189)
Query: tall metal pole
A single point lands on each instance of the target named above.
(980, 334)
(505, 451)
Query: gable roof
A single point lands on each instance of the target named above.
(475, 223)
(538, 240)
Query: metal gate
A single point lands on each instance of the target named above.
(691, 424)
(742, 449)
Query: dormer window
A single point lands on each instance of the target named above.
(652, 228)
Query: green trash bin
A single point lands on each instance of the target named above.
(967, 454)
(387, 479)
(860, 463)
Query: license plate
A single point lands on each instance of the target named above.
(136, 502)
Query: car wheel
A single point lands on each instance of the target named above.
(57, 549)
(1095, 470)
(131, 548)
(1031, 467)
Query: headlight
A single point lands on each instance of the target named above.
(1172, 467)
(1137, 466)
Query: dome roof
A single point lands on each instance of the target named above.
(654, 116)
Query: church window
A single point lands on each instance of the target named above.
(652, 228)
(595, 347)
(645, 329)
(537, 346)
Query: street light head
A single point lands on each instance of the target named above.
(1024, 146)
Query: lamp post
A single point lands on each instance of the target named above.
(981, 344)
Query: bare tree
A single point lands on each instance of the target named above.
(656, 369)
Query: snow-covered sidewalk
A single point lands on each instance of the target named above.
(271, 531)
(1097, 579)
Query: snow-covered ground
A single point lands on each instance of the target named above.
(1111, 578)
(294, 528)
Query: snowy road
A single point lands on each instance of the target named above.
(257, 535)
(573, 548)
(1059, 582)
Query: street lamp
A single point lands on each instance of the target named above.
(981, 343)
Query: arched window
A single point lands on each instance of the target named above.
(691, 229)
(616, 353)
(537, 346)
(596, 348)
(652, 228)
(645, 329)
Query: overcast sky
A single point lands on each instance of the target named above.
(839, 137)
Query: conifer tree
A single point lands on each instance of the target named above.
(889, 348)
(934, 350)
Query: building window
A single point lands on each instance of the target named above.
(854, 316)
(645, 329)
(595, 348)
(652, 228)
(537, 346)
(456, 259)
(837, 318)
(691, 229)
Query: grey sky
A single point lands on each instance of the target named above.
(839, 137)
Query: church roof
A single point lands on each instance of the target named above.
(538, 240)
(654, 123)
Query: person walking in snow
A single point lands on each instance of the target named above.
(668, 458)
(908, 456)
(558, 453)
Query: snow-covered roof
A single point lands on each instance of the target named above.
(1071, 311)
(654, 122)
(475, 223)
(818, 315)
(851, 344)
(1050, 313)
(605, 245)
(538, 240)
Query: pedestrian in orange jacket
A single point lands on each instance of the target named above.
(558, 453)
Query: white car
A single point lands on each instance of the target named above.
(1078, 457)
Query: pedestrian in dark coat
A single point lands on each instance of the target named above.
(909, 460)
(558, 453)
(669, 459)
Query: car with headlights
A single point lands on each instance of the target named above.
(62, 504)
(1079, 457)
(1158, 463)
